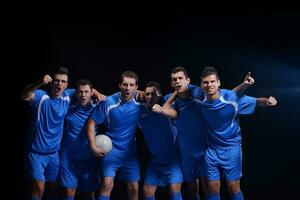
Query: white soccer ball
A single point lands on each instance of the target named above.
(103, 142)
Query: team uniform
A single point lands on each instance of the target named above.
(120, 119)
(42, 160)
(192, 132)
(79, 167)
(224, 155)
(160, 135)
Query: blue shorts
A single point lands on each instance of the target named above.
(224, 163)
(192, 167)
(128, 167)
(42, 167)
(81, 174)
(163, 175)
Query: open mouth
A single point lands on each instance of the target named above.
(58, 89)
(178, 87)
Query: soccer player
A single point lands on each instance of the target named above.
(119, 113)
(191, 131)
(79, 167)
(191, 127)
(49, 109)
(221, 109)
(160, 136)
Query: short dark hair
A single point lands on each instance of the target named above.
(154, 84)
(82, 82)
(129, 74)
(180, 69)
(62, 70)
(209, 70)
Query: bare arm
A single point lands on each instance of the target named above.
(140, 96)
(28, 92)
(263, 102)
(170, 112)
(91, 137)
(167, 108)
(98, 95)
(170, 101)
(248, 81)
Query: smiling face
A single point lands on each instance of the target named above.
(210, 85)
(128, 87)
(180, 82)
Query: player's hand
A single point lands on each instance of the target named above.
(100, 97)
(47, 79)
(272, 101)
(248, 80)
(140, 96)
(157, 108)
(98, 152)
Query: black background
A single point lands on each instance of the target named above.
(100, 41)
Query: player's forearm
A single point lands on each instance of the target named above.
(29, 89)
(172, 113)
(240, 88)
(168, 104)
(262, 101)
(98, 95)
(91, 133)
(248, 81)
(167, 108)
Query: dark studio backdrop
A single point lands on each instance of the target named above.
(99, 42)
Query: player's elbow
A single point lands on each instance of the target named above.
(26, 96)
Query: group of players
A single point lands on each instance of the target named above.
(192, 134)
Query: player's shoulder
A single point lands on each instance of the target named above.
(167, 96)
(229, 95)
(41, 94)
(194, 87)
(226, 92)
(112, 99)
(69, 92)
(195, 91)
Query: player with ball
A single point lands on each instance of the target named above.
(119, 113)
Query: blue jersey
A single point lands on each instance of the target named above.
(75, 138)
(160, 135)
(191, 127)
(222, 117)
(48, 120)
(120, 119)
